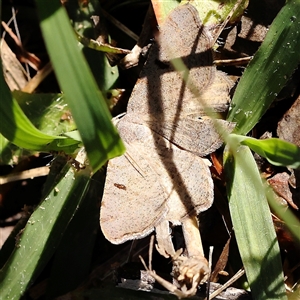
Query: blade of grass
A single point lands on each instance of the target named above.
(278, 152)
(87, 104)
(15, 126)
(47, 112)
(67, 271)
(82, 21)
(10, 242)
(268, 72)
(253, 226)
(99, 46)
(286, 215)
(5, 153)
(37, 243)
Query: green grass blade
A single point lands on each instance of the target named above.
(33, 122)
(278, 152)
(67, 271)
(253, 226)
(105, 75)
(15, 126)
(99, 46)
(10, 243)
(42, 234)
(87, 104)
(48, 112)
(268, 72)
(286, 215)
(5, 153)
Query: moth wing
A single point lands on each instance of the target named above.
(187, 180)
(134, 201)
(217, 94)
(160, 88)
(197, 135)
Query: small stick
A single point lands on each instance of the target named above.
(119, 25)
(34, 82)
(233, 62)
(211, 249)
(239, 274)
(28, 174)
(151, 245)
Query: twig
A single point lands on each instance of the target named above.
(239, 274)
(38, 78)
(32, 173)
(233, 62)
(119, 25)
(211, 249)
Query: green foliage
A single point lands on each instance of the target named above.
(17, 128)
(47, 112)
(267, 73)
(212, 13)
(98, 46)
(277, 152)
(42, 234)
(41, 126)
(253, 225)
(262, 80)
(87, 104)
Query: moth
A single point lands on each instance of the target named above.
(163, 178)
